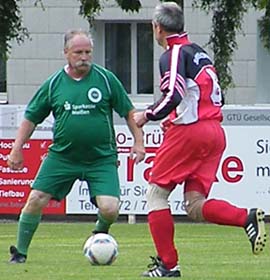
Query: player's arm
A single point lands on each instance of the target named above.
(15, 158)
(172, 86)
(36, 111)
(137, 132)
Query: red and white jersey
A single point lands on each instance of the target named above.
(189, 84)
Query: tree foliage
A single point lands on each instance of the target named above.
(227, 16)
(10, 25)
(264, 23)
(90, 8)
(227, 20)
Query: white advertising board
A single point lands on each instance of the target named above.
(243, 175)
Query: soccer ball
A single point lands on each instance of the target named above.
(100, 249)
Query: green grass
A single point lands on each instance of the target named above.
(206, 252)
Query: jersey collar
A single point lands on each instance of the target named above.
(177, 39)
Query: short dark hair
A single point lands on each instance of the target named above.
(170, 16)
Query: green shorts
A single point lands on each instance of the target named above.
(56, 176)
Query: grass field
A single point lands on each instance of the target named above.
(206, 252)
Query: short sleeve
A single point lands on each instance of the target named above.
(39, 106)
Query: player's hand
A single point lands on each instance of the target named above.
(137, 153)
(139, 118)
(15, 160)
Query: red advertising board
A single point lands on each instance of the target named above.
(15, 185)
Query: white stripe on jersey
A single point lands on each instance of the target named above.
(173, 76)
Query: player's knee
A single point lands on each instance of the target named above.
(157, 198)
(194, 209)
(36, 201)
(108, 207)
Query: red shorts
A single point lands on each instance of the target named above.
(189, 152)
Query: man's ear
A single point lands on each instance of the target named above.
(159, 28)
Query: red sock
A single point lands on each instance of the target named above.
(223, 213)
(161, 226)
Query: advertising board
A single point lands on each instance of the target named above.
(243, 175)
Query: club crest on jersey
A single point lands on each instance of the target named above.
(94, 95)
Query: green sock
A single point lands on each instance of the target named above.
(27, 226)
(102, 225)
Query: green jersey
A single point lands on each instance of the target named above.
(83, 129)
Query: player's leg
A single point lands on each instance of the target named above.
(215, 211)
(204, 163)
(161, 226)
(224, 213)
(165, 174)
(107, 214)
(198, 185)
(28, 223)
(54, 180)
(104, 188)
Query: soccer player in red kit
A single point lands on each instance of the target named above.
(194, 141)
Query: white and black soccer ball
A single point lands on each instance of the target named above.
(101, 249)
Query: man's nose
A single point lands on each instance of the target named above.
(85, 55)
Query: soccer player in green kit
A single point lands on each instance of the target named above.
(82, 97)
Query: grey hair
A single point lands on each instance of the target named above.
(170, 16)
(73, 32)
